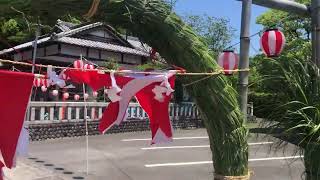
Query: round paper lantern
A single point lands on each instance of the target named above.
(228, 60)
(86, 96)
(78, 64)
(76, 97)
(45, 82)
(55, 92)
(65, 95)
(37, 82)
(44, 88)
(272, 42)
(88, 66)
(95, 94)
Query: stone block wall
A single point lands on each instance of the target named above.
(43, 131)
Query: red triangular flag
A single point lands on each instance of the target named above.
(14, 97)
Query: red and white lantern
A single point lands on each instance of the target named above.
(272, 42)
(88, 66)
(76, 97)
(228, 60)
(65, 95)
(95, 94)
(37, 82)
(45, 82)
(55, 92)
(78, 64)
(44, 88)
(86, 96)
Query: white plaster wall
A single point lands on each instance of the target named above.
(101, 33)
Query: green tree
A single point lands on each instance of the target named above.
(216, 32)
(289, 86)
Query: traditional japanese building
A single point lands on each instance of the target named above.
(97, 42)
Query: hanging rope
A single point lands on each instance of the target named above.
(219, 71)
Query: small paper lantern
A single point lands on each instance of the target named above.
(88, 66)
(78, 64)
(86, 96)
(55, 92)
(228, 60)
(76, 97)
(65, 95)
(95, 94)
(44, 88)
(45, 82)
(272, 42)
(37, 82)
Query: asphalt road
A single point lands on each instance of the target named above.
(129, 156)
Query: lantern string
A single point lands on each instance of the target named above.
(257, 33)
(181, 73)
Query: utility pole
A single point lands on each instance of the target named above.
(315, 35)
(244, 55)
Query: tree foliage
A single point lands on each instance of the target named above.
(216, 32)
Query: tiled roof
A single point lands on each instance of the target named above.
(64, 38)
(101, 45)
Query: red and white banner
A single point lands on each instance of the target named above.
(152, 91)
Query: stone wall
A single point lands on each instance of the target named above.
(45, 131)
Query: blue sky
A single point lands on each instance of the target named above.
(230, 9)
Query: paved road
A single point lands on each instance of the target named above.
(129, 156)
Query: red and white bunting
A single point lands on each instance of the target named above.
(88, 66)
(272, 42)
(78, 64)
(228, 60)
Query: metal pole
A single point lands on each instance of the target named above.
(35, 45)
(86, 122)
(34, 56)
(284, 5)
(315, 20)
(244, 55)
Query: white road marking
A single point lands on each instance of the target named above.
(210, 162)
(177, 138)
(200, 146)
(275, 158)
